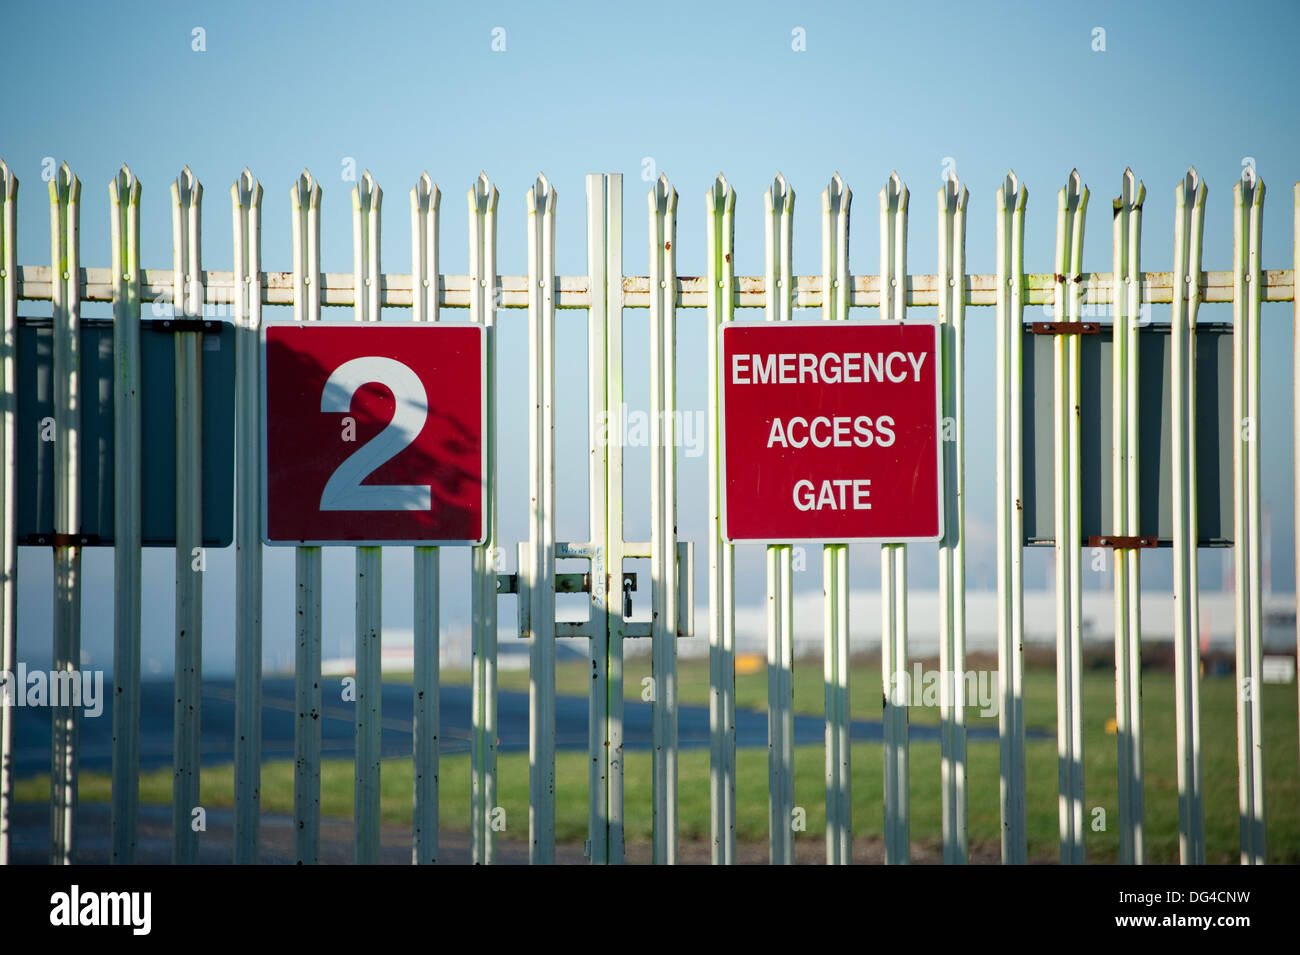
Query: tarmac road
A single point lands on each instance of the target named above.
(218, 714)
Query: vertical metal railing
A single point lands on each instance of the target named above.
(425, 293)
(67, 283)
(662, 201)
(605, 396)
(1072, 204)
(124, 195)
(778, 272)
(367, 207)
(721, 209)
(485, 560)
(65, 204)
(246, 292)
(893, 557)
(836, 200)
(305, 198)
(1247, 232)
(1126, 304)
(187, 284)
(953, 198)
(1189, 220)
(1010, 204)
(8, 489)
(1295, 407)
(537, 574)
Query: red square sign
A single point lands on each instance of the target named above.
(830, 431)
(374, 433)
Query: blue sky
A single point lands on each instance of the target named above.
(693, 88)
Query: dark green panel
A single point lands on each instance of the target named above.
(1213, 434)
(158, 425)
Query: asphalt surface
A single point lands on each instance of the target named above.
(32, 724)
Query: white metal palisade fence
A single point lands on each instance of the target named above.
(605, 291)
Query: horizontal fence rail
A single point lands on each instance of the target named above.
(185, 292)
(693, 291)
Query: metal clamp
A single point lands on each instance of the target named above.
(62, 540)
(1065, 328)
(181, 325)
(1120, 542)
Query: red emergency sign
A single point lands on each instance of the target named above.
(830, 431)
(374, 433)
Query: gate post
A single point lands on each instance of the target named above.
(663, 518)
(537, 564)
(605, 361)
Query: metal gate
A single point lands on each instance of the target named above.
(605, 291)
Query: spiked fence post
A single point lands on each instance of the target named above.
(720, 205)
(1295, 372)
(1189, 220)
(65, 203)
(836, 287)
(367, 205)
(305, 200)
(8, 489)
(246, 211)
(124, 197)
(1248, 215)
(187, 285)
(425, 283)
(1126, 304)
(605, 394)
(778, 284)
(1010, 209)
(1072, 204)
(893, 557)
(952, 549)
(540, 569)
(663, 516)
(485, 560)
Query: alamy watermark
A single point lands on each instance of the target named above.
(632, 429)
(82, 688)
(944, 687)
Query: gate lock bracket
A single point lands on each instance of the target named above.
(581, 584)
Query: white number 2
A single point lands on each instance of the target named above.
(344, 490)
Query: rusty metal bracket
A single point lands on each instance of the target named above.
(1065, 328)
(62, 540)
(181, 325)
(1119, 542)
